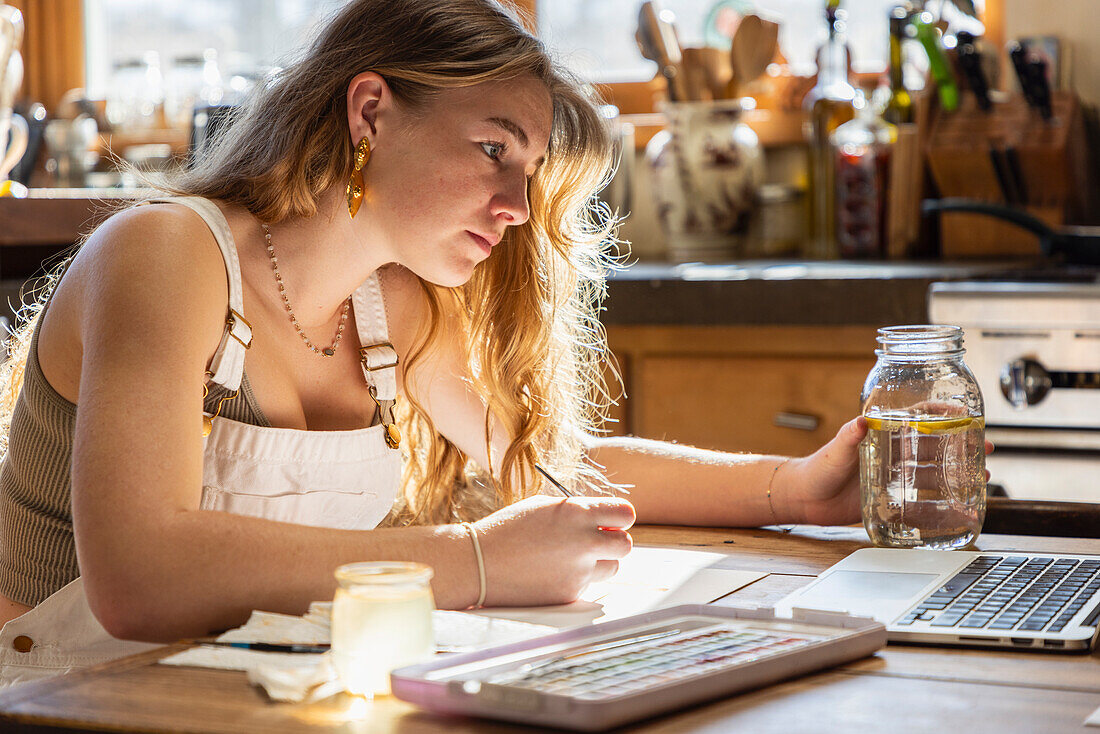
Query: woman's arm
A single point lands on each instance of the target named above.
(155, 566)
(668, 483)
(681, 485)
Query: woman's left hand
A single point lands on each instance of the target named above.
(823, 488)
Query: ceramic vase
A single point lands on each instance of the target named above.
(705, 168)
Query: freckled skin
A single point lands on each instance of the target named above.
(441, 173)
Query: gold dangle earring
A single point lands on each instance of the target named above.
(355, 183)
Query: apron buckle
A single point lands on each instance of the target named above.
(385, 414)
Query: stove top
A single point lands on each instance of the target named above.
(1034, 348)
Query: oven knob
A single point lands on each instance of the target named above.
(1024, 382)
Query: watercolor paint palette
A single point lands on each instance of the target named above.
(603, 675)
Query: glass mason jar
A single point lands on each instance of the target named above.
(381, 620)
(922, 464)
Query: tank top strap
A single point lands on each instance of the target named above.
(227, 365)
(376, 354)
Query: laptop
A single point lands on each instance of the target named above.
(1038, 601)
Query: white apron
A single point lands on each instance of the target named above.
(337, 479)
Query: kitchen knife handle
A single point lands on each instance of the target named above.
(1004, 176)
(1040, 85)
(970, 61)
(1017, 52)
(1016, 173)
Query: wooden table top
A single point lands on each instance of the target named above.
(900, 689)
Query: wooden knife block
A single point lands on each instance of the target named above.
(1052, 165)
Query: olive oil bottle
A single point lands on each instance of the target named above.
(827, 106)
(899, 108)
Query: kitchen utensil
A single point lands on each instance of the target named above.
(1006, 180)
(1037, 75)
(1015, 172)
(656, 37)
(970, 61)
(717, 70)
(1075, 245)
(754, 45)
(1053, 51)
(929, 36)
(1057, 186)
(695, 78)
(1017, 53)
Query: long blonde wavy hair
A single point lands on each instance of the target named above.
(536, 347)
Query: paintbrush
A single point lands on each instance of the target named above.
(556, 483)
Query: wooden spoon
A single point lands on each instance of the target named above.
(716, 70)
(754, 46)
(695, 74)
(657, 40)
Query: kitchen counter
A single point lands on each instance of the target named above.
(788, 292)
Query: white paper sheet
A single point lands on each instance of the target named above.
(1094, 719)
(648, 579)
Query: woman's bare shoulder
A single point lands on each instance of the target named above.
(160, 259)
(151, 234)
(149, 281)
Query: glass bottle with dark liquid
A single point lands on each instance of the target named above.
(862, 152)
(828, 105)
(922, 463)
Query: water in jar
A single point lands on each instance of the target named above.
(375, 630)
(923, 479)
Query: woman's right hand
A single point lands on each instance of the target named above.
(546, 550)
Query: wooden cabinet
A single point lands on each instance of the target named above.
(760, 389)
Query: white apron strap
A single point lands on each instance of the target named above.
(227, 365)
(377, 356)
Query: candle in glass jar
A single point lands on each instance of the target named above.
(381, 620)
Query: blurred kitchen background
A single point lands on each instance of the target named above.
(793, 175)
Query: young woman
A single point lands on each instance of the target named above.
(384, 276)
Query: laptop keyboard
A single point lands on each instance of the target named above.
(1011, 593)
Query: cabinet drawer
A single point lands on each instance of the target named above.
(783, 405)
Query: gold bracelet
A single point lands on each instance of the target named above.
(771, 481)
(480, 565)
